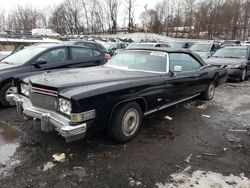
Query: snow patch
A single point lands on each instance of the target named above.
(205, 180)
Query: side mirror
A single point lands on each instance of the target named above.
(177, 68)
(39, 62)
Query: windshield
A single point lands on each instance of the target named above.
(148, 61)
(140, 45)
(231, 53)
(22, 56)
(177, 44)
(200, 47)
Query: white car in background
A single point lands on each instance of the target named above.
(247, 43)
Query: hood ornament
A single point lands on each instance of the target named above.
(44, 76)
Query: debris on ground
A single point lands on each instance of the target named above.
(168, 118)
(133, 183)
(187, 160)
(138, 183)
(48, 166)
(207, 116)
(79, 171)
(198, 156)
(210, 154)
(59, 157)
(206, 180)
(202, 107)
(178, 166)
(232, 138)
(187, 169)
(238, 130)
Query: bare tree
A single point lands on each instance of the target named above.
(130, 5)
(112, 7)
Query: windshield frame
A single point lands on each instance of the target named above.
(138, 70)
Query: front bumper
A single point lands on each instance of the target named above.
(234, 74)
(50, 120)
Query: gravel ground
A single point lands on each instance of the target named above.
(198, 139)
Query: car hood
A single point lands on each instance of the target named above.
(4, 66)
(224, 61)
(7, 68)
(74, 81)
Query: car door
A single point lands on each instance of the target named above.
(85, 57)
(181, 83)
(53, 58)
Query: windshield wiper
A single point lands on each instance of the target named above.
(5, 62)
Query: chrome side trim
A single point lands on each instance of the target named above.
(168, 105)
(151, 111)
(180, 101)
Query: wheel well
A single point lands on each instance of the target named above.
(140, 101)
(3, 83)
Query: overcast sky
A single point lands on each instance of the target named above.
(11, 4)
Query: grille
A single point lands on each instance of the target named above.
(43, 100)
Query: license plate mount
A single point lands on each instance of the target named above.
(45, 123)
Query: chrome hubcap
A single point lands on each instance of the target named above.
(130, 122)
(9, 91)
(211, 91)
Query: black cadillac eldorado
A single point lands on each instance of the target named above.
(117, 95)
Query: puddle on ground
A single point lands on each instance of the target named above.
(8, 146)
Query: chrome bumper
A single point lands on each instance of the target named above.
(50, 120)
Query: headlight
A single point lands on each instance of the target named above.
(83, 116)
(64, 106)
(233, 66)
(25, 89)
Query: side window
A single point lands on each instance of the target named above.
(196, 64)
(55, 55)
(164, 45)
(119, 46)
(92, 46)
(157, 45)
(81, 53)
(187, 62)
(213, 47)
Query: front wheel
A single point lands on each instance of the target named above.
(208, 94)
(6, 90)
(126, 122)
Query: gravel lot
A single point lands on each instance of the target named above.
(167, 153)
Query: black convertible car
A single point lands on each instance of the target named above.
(41, 57)
(116, 96)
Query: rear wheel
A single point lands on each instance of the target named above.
(208, 94)
(126, 122)
(6, 90)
